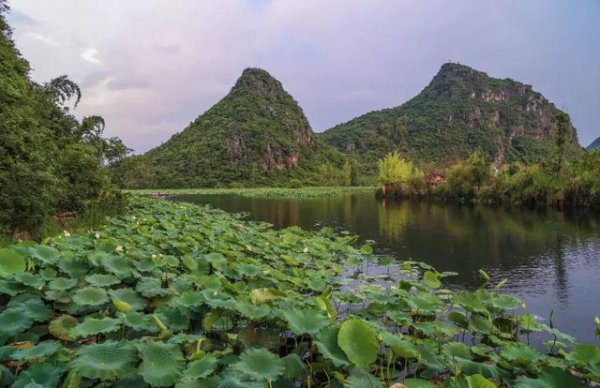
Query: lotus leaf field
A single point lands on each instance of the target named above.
(265, 192)
(181, 295)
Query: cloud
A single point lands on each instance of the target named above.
(90, 54)
(165, 62)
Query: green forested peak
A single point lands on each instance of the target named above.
(459, 111)
(258, 81)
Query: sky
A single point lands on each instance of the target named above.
(151, 67)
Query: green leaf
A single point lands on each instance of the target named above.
(359, 341)
(262, 295)
(91, 326)
(481, 323)
(305, 321)
(90, 296)
(201, 368)
(61, 326)
(400, 346)
(327, 343)
(105, 361)
(128, 296)
(459, 319)
(44, 375)
(41, 350)
(549, 378)
(260, 364)
(252, 311)
(520, 353)
(294, 366)
(102, 280)
(45, 254)
(10, 263)
(150, 287)
(418, 383)
(360, 378)
(431, 279)
(13, 321)
(120, 266)
(478, 381)
(29, 279)
(62, 284)
(585, 354)
(140, 322)
(162, 363)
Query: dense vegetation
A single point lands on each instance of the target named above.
(461, 110)
(257, 135)
(49, 161)
(554, 181)
(174, 294)
(262, 192)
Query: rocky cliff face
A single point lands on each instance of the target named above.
(462, 109)
(256, 130)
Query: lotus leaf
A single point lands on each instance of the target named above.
(10, 262)
(90, 296)
(105, 361)
(260, 364)
(162, 363)
(359, 341)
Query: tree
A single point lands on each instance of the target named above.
(393, 169)
(62, 89)
(479, 167)
(49, 161)
(347, 173)
(562, 125)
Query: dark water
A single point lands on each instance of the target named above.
(552, 259)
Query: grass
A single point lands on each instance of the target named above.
(281, 192)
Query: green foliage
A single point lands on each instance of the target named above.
(263, 192)
(207, 299)
(257, 135)
(460, 111)
(393, 169)
(49, 162)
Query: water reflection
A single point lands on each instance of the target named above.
(552, 259)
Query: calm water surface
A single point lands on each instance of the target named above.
(552, 259)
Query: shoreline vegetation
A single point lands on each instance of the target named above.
(186, 295)
(260, 192)
(557, 181)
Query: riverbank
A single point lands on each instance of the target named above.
(177, 293)
(260, 192)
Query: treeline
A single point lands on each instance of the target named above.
(50, 162)
(573, 182)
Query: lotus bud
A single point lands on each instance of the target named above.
(121, 306)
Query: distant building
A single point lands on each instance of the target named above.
(434, 180)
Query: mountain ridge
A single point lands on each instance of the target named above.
(593, 145)
(254, 134)
(460, 110)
